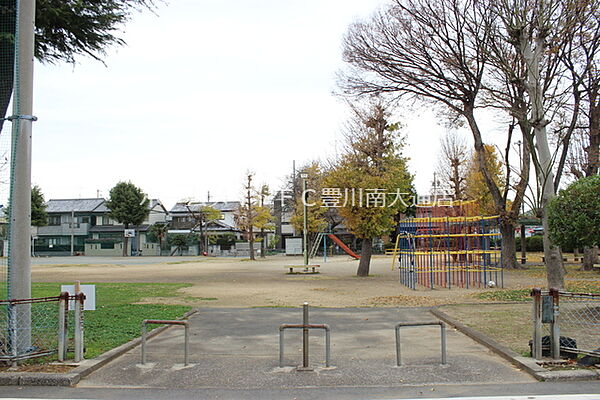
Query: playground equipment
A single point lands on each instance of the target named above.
(447, 245)
(323, 236)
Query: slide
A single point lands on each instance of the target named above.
(343, 246)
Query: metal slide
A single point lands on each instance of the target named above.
(343, 246)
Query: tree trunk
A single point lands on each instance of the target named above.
(555, 269)
(251, 242)
(590, 257)
(509, 245)
(262, 244)
(365, 257)
(125, 243)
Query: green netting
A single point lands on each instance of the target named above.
(8, 67)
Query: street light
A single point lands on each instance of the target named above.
(304, 177)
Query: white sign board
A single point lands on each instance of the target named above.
(90, 296)
(129, 233)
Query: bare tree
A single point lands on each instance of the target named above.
(437, 53)
(581, 60)
(537, 37)
(246, 214)
(452, 163)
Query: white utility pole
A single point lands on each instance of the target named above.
(19, 257)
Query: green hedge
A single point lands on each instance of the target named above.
(535, 244)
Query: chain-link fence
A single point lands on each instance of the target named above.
(37, 327)
(565, 324)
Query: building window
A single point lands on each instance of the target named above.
(107, 245)
(54, 220)
(106, 220)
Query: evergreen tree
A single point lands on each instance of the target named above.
(129, 206)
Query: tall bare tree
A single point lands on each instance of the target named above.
(538, 37)
(581, 60)
(247, 213)
(437, 53)
(452, 163)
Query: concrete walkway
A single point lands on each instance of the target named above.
(238, 349)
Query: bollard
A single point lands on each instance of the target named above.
(305, 335)
(407, 324)
(305, 326)
(186, 339)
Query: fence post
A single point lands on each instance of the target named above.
(555, 326)
(63, 306)
(79, 299)
(536, 293)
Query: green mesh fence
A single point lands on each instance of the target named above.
(8, 125)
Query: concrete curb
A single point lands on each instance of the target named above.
(85, 368)
(525, 363)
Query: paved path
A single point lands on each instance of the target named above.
(238, 349)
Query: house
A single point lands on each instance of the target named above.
(69, 223)
(78, 226)
(107, 239)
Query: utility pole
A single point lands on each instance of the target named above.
(19, 256)
(72, 225)
(250, 217)
(304, 177)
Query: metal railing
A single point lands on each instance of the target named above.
(38, 327)
(565, 323)
(186, 340)
(305, 326)
(414, 324)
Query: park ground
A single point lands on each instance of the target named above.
(134, 288)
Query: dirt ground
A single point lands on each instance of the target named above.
(231, 282)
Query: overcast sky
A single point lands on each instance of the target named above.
(203, 91)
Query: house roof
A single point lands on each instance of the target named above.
(154, 203)
(117, 228)
(212, 226)
(76, 205)
(222, 206)
(97, 205)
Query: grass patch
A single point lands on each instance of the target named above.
(509, 324)
(117, 318)
(505, 295)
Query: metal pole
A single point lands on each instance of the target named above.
(305, 229)
(555, 326)
(78, 325)
(537, 324)
(443, 339)
(186, 345)
(19, 256)
(324, 248)
(398, 352)
(281, 347)
(63, 305)
(143, 342)
(72, 235)
(305, 336)
(327, 347)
